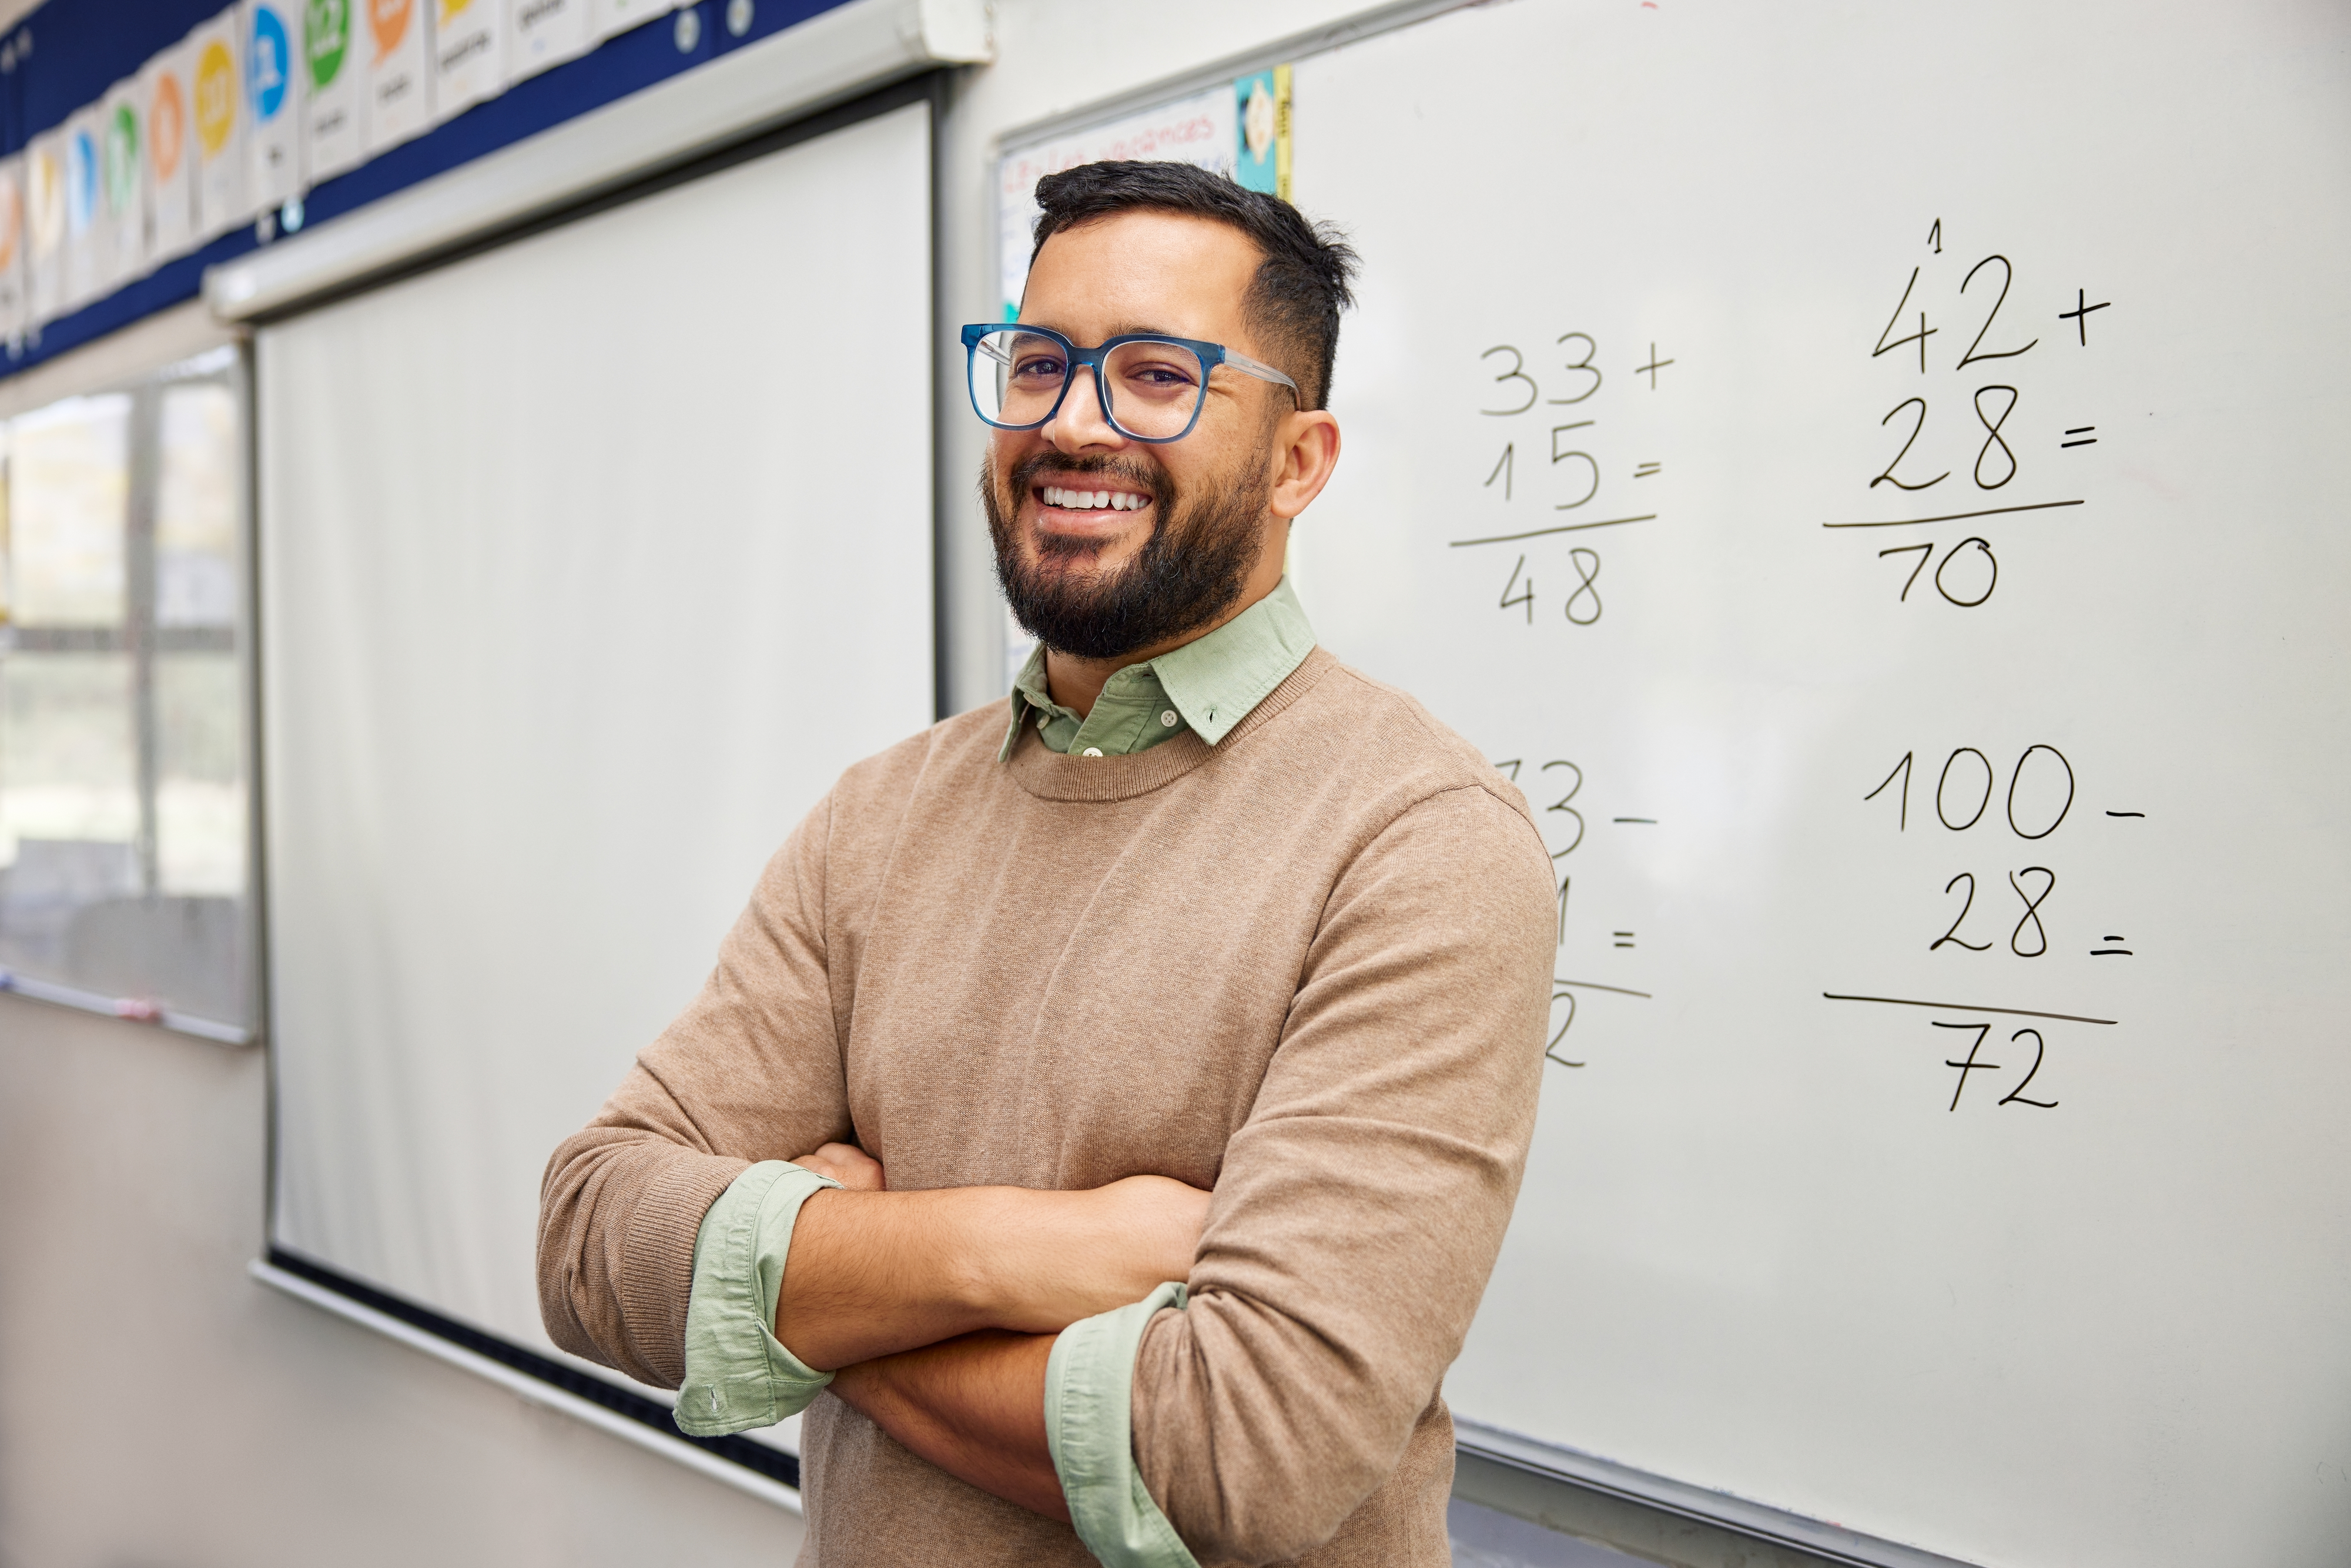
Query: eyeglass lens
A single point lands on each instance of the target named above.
(1153, 388)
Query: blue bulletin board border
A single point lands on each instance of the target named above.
(64, 55)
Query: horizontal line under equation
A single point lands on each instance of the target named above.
(1596, 986)
(1952, 517)
(1558, 528)
(1965, 1008)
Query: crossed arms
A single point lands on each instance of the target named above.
(936, 1311)
(1362, 1187)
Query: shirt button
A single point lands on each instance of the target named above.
(1093, 751)
(1168, 718)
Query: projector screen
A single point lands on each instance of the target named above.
(587, 563)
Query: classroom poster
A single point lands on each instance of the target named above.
(272, 103)
(217, 53)
(45, 226)
(80, 151)
(542, 33)
(331, 76)
(171, 185)
(12, 250)
(606, 18)
(1261, 105)
(469, 53)
(1200, 128)
(398, 101)
(122, 183)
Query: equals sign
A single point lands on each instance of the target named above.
(1644, 470)
(2084, 432)
(2110, 952)
(1624, 938)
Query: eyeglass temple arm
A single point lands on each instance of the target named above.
(1263, 372)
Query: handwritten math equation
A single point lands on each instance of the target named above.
(1968, 433)
(2005, 905)
(1554, 791)
(1550, 463)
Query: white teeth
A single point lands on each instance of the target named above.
(1093, 500)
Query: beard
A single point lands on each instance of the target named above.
(1187, 575)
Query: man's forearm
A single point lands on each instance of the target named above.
(975, 1406)
(874, 1273)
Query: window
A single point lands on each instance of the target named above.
(124, 815)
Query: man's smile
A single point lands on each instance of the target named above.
(1088, 506)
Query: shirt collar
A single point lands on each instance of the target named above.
(1213, 681)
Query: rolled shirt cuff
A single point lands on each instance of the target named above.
(737, 1374)
(1089, 1429)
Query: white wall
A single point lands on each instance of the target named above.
(158, 1406)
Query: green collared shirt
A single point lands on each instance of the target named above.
(1209, 685)
(739, 1375)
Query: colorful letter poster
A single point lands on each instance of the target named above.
(45, 222)
(606, 18)
(170, 183)
(399, 87)
(330, 99)
(1196, 130)
(81, 259)
(542, 33)
(12, 250)
(218, 47)
(122, 183)
(469, 53)
(273, 102)
(1261, 161)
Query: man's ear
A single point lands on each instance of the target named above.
(1306, 452)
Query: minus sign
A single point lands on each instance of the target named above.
(1651, 821)
(2125, 813)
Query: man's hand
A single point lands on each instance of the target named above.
(873, 1272)
(847, 1163)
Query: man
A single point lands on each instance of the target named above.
(1159, 1047)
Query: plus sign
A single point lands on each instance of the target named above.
(2080, 314)
(1652, 368)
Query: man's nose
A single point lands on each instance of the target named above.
(1078, 423)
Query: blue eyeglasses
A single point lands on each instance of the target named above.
(1152, 388)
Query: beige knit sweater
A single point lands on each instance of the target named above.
(1308, 966)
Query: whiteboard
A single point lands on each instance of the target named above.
(1629, 270)
(587, 564)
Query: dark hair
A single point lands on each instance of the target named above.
(1301, 286)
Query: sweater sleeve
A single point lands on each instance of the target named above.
(750, 1071)
(1361, 1207)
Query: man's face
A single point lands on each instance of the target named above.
(1186, 520)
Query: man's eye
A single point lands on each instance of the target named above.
(1037, 368)
(1163, 377)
